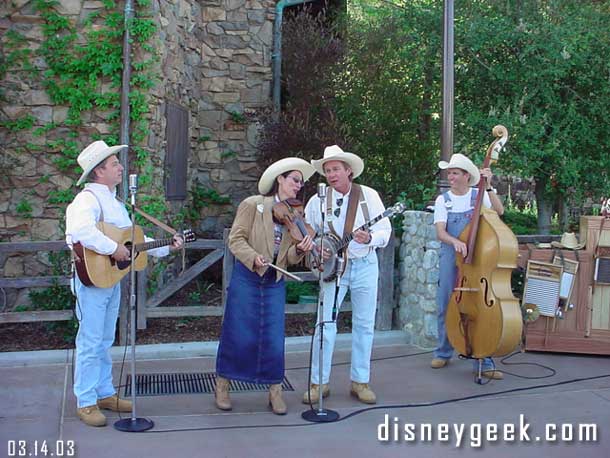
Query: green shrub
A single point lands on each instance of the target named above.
(294, 290)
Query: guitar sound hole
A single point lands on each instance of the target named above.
(122, 265)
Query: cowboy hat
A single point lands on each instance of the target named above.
(335, 153)
(568, 241)
(282, 166)
(459, 161)
(93, 155)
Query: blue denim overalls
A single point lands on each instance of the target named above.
(456, 222)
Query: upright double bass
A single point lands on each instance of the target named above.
(483, 317)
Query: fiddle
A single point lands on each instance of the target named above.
(290, 213)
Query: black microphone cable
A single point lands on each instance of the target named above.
(388, 406)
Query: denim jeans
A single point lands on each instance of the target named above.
(97, 310)
(360, 277)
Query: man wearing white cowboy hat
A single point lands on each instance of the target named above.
(360, 276)
(452, 212)
(97, 308)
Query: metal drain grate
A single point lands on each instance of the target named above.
(189, 383)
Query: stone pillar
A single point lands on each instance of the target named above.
(418, 267)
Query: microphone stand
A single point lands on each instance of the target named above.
(133, 424)
(321, 415)
(340, 263)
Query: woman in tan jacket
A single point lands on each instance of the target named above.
(251, 347)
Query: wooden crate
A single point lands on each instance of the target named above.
(584, 329)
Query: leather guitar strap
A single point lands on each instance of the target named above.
(163, 226)
(352, 208)
(75, 256)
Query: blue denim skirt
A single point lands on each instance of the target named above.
(251, 347)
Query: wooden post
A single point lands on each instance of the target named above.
(227, 267)
(141, 281)
(385, 287)
(124, 311)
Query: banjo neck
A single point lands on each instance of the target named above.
(349, 237)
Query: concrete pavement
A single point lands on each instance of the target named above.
(421, 412)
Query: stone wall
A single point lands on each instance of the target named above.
(418, 267)
(216, 62)
(214, 59)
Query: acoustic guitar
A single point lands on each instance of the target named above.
(104, 271)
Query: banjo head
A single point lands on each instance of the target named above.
(331, 243)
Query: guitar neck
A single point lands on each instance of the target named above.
(349, 237)
(154, 244)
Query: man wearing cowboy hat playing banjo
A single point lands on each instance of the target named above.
(452, 212)
(97, 309)
(361, 273)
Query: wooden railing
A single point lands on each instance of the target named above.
(151, 307)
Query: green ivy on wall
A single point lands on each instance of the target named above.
(84, 73)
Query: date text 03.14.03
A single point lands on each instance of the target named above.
(41, 448)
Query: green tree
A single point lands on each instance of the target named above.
(540, 69)
(388, 94)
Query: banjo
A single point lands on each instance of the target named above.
(335, 245)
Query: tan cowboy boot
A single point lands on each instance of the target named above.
(438, 363)
(313, 394)
(278, 406)
(491, 374)
(221, 396)
(363, 392)
(91, 415)
(114, 403)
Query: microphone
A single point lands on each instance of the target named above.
(340, 263)
(321, 190)
(133, 183)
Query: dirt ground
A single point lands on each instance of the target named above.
(51, 336)
(60, 335)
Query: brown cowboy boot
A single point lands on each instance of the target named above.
(278, 406)
(221, 396)
(91, 415)
(312, 395)
(363, 392)
(115, 404)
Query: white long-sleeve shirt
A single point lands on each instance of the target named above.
(380, 231)
(84, 213)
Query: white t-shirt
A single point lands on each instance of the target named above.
(458, 204)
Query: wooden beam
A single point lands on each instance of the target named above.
(305, 276)
(228, 261)
(190, 310)
(186, 277)
(28, 247)
(141, 280)
(311, 308)
(60, 245)
(28, 282)
(35, 316)
(204, 244)
(385, 287)
(538, 238)
(206, 310)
